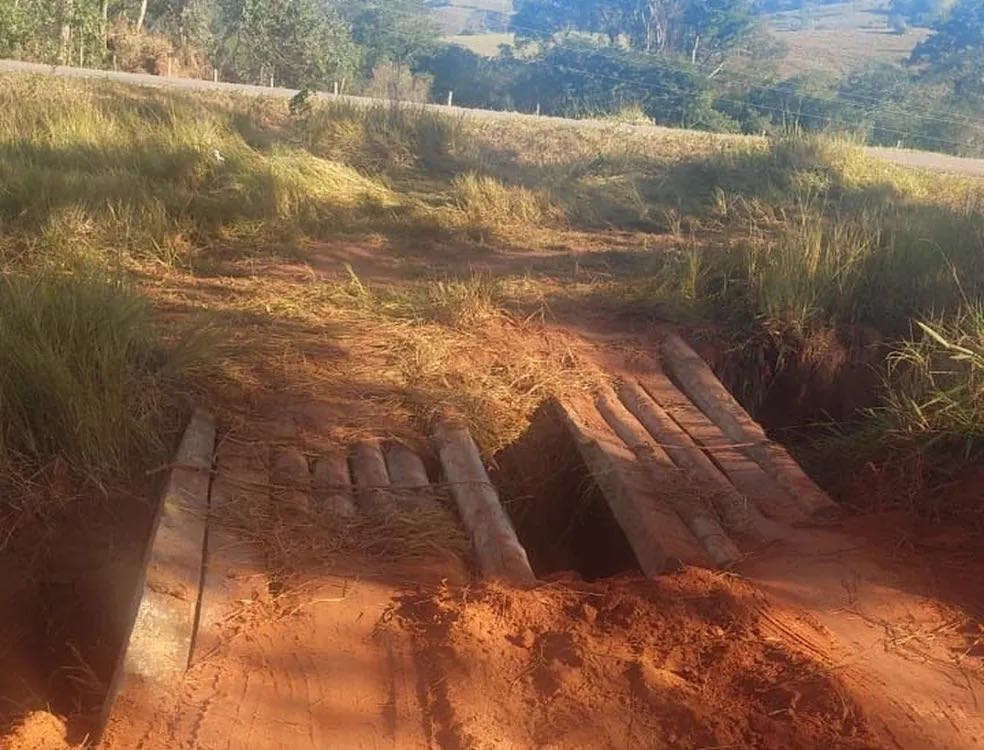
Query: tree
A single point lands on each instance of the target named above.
(697, 29)
(395, 31)
(579, 79)
(295, 42)
(954, 53)
(187, 23)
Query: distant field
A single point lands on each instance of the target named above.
(842, 37)
(483, 44)
(471, 15)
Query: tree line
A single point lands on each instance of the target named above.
(706, 64)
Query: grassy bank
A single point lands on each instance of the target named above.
(247, 213)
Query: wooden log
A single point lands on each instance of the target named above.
(658, 538)
(291, 479)
(745, 474)
(234, 567)
(158, 646)
(737, 513)
(408, 476)
(332, 485)
(499, 553)
(698, 381)
(370, 477)
(672, 485)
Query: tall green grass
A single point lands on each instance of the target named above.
(935, 388)
(83, 371)
(828, 242)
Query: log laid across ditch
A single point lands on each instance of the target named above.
(698, 381)
(497, 549)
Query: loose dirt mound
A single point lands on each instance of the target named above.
(38, 730)
(678, 662)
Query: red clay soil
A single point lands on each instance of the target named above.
(38, 730)
(680, 662)
(67, 571)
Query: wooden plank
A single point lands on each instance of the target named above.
(408, 476)
(658, 537)
(671, 485)
(291, 480)
(331, 487)
(234, 569)
(499, 553)
(745, 474)
(370, 476)
(738, 514)
(158, 646)
(699, 382)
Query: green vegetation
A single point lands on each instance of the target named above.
(893, 72)
(772, 247)
(84, 371)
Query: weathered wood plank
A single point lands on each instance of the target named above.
(499, 553)
(158, 646)
(291, 479)
(745, 474)
(234, 566)
(699, 382)
(332, 485)
(408, 476)
(672, 486)
(739, 515)
(658, 537)
(370, 476)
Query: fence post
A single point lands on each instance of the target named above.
(450, 97)
(215, 75)
(334, 88)
(538, 109)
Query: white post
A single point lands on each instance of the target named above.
(271, 81)
(450, 97)
(215, 75)
(538, 109)
(334, 88)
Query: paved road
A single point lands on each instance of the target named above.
(916, 159)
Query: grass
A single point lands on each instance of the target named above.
(82, 371)
(206, 203)
(936, 385)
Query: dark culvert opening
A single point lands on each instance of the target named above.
(560, 514)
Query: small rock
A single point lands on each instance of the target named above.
(527, 638)
(590, 613)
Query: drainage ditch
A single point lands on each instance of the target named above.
(560, 514)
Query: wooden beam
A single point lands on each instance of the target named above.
(738, 514)
(499, 553)
(672, 485)
(699, 382)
